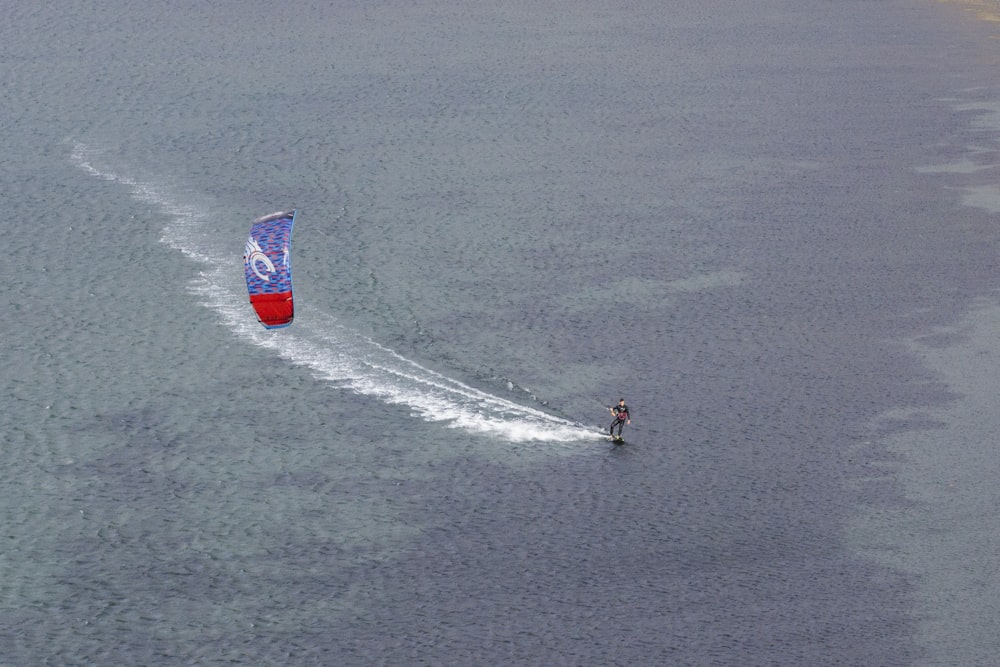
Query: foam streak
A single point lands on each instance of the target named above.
(331, 351)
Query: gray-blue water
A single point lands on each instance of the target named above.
(769, 226)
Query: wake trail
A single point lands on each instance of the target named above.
(331, 351)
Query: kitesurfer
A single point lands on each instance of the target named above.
(622, 417)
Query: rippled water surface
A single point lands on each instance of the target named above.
(752, 222)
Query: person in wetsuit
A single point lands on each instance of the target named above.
(622, 417)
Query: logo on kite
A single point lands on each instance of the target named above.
(254, 255)
(267, 266)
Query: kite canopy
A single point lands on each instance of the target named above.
(267, 264)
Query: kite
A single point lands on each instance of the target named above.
(267, 264)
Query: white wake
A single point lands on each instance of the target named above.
(331, 351)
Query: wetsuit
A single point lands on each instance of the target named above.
(621, 414)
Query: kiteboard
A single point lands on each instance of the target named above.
(617, 439)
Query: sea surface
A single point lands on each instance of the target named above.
(770, 226)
